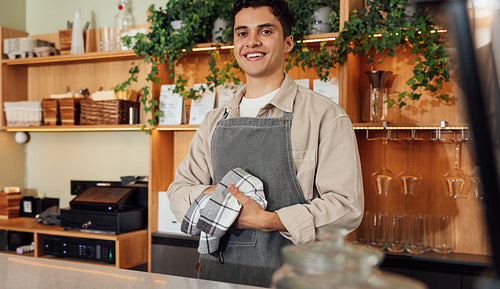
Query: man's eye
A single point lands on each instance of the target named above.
(266, 31)
(241, 34)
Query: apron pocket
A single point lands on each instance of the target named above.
(239, 237)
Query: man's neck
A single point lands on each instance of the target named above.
(257, 87)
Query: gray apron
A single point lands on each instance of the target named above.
(262, 147)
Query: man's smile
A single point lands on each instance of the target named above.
(254, 55)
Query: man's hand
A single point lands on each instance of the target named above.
(252, 216)
(209, 190)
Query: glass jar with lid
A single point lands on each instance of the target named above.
(331, 263)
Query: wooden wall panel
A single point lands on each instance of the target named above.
(181, 146)
(79, 75)
(432, 159)
(12, 80)
(427, 110)
(194, 67)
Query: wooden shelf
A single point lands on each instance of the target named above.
(321, 37)
(410, 126)
(29, 225)
(356, 126)
(124, 243)
(72, 58)
(75, 128)
(130, 54)
(181, 127)
(313, 38)
(189, 127)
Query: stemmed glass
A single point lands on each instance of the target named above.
(382, 180)
(454, 180)
(475, 183)
(415, 225)
(410, 177)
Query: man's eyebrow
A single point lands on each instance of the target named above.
(258, 26)
(241, 27)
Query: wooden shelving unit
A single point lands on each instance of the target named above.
(72, 58)
(130, 248)
(37, 78)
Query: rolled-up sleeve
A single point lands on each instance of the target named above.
(338, 188)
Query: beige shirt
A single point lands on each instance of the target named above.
(325, 155)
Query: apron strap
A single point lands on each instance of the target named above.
(286, 114)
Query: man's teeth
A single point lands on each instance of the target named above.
(253, 55)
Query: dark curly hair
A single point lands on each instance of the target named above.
(279, 7)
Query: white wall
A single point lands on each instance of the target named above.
(53, 159)
(13, 14)
(12, 161)
(49, 16)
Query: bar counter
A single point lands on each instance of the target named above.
(28, 272)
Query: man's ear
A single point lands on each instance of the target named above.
(289, 43)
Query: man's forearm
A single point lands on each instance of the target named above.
(271, 222)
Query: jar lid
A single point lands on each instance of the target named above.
(331, 253)
(325, 256)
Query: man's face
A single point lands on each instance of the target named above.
(259, 46)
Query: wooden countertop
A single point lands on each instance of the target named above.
(29, 225)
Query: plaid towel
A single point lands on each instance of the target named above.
(192, 215)
(212, 215)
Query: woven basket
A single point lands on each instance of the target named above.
(115, 111)
(23, 113)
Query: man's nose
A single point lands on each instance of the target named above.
(254, 40)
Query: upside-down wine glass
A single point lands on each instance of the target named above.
(454, 180)
(409, 179)
(383, 180)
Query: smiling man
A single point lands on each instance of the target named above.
(300, 144)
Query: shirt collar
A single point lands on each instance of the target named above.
(283, 100)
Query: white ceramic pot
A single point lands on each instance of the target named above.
(177, 24)
(219, 26)
(320, 20)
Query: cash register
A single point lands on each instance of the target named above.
(109, 209)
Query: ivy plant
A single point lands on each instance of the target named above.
(381, 27)
(165, 45)
(303, 56)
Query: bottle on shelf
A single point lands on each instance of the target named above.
(124, 20)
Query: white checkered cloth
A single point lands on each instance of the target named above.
(212, 215)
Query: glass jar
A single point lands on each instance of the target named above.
(378, 94)
(330, 263)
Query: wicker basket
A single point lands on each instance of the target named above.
(115, 111)
(23, 113)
